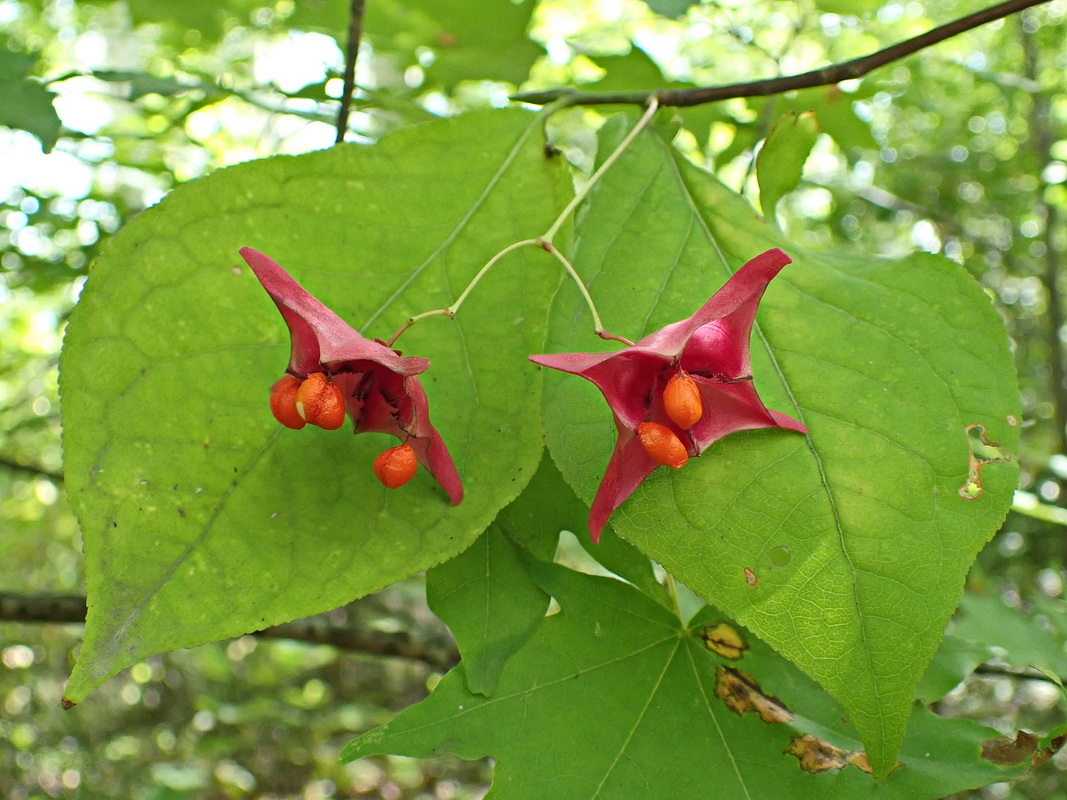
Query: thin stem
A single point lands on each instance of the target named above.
(672, 590)
(548, 247)
(437, 651)
(355, 33)
(437, 312)
(653, 104)
(6, 462)
(545, 242)
(452, 309)
(846, 70)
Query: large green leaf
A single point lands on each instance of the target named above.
(845, 549)
(202, 517)
(613, 698)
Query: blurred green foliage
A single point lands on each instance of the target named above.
(961, 149)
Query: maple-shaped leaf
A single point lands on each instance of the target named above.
(614, 698)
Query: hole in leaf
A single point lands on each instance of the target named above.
(983, 451)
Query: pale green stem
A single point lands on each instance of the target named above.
(653, 104)
(451, 310)
(545, 243)
(603, 334)
(672, 590)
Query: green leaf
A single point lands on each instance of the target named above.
(490, 604)
(634, 70)
(834, 108)
(780, 163)
(546, 506)
(955, 659)
(24, 102)
(211, 19)
(141, 83)
(846, 549)
(612, 698)
(849, 7)
(202, 517)
(675, 9)
(549, 505)
(1036, 638)
(469, 41)
(477, 41)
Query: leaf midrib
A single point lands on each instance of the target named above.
(683, 188)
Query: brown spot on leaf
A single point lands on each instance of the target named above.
(743, 695)
(67, 704)
(725, 640)
(816, 756)
(1003, 750)
(1048, 752)
(750, 577)
(1024, 747)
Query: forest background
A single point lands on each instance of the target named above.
(958, 149)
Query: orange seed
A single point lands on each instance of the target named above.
(396, 466)
(320, 402)
(283, 402)
(662, 445)
(682, 401)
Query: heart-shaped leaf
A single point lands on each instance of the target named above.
(203, 518)
(845, 549)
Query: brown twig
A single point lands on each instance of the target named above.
(6, 462)
(846, 70)
(355, 33)
(438, 652)
(996, 671)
